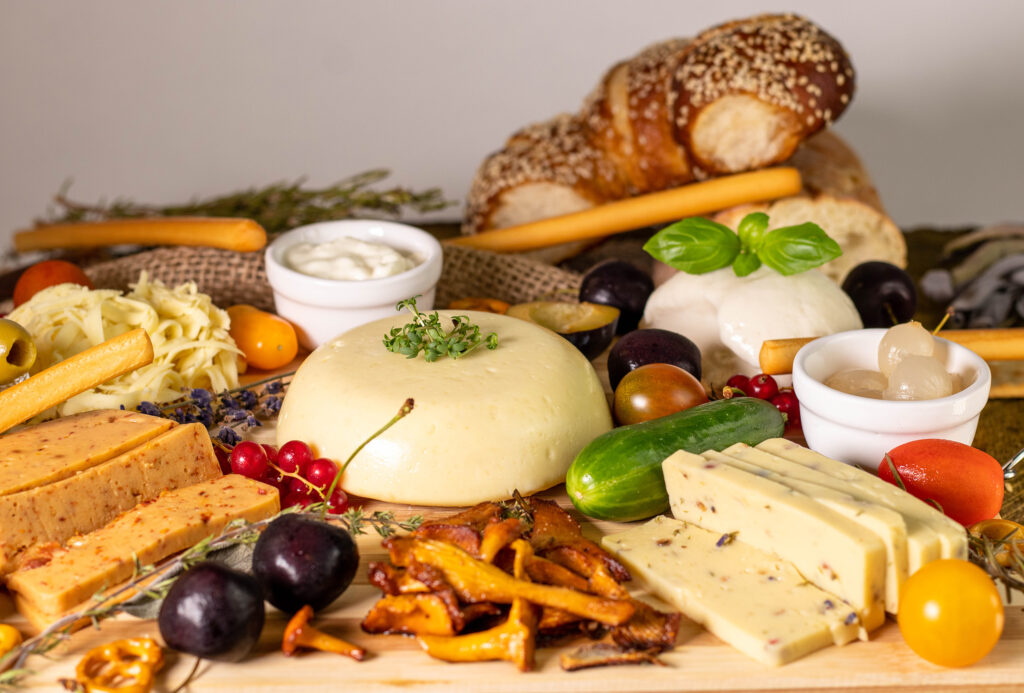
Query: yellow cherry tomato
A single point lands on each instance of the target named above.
(10, 638)
(950, 613)
(267, 340)
(1004, 534)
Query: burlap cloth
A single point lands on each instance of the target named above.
(230, 278)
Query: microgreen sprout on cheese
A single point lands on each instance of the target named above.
(697, 246)
(426, 333)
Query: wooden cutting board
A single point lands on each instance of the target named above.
(699, 662)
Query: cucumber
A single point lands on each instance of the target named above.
(618, 475)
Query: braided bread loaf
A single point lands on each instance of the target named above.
(739, 96)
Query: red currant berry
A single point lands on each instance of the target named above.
(763, 387)
(274, 478)
(338, 502)
(301, 500)
(294, 456)
(224, 457)
(249, 459)
(321, 472)
(739, 382)
(787, 403)
(271, 452)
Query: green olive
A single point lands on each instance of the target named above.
(17, 350)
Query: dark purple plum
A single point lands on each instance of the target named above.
(301, 560)
(640, 347)
(213, 612)
(620, 284)
(882, 292)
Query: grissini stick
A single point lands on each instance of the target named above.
(1007, 344)
(243, 235)
(638, 212)
(75, 374)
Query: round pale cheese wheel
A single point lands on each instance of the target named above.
(483, 425)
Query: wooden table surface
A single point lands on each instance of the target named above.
(395, 663)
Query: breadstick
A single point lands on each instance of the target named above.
(94, 366)
(243, 235)
(1007, 344)
(638, 212)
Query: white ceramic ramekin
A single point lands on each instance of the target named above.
(321, 309)
(860, 430)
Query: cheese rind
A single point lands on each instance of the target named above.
(951, 536)
(751, 599)
(831, 551)
(148, 533)
(886, 524)
(88, 500)
(484, 425)
(55, 450)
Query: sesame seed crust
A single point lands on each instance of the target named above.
(640, 129)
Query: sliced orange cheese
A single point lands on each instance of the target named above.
(148, 533)
(58, 449)
(89, 499)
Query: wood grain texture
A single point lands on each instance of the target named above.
(394, 663)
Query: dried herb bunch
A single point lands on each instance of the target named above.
(277, 207)
(227, 414)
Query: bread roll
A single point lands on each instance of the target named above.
(740, 96)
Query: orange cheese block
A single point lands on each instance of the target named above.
(55, 450)
(148, 533)
(55, 512)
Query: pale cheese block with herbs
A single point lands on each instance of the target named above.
(950, 534)
(148, 533)
(484, 425)
(831, 551)
(55, 450)
(749, 598)
(886, 524)
(54, 512)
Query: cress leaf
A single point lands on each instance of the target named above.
(695, 245)
(751, 230)
(745, 263)
(794, 249)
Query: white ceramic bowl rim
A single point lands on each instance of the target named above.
(338, 293)
(886, 416)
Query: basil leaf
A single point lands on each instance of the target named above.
(752, 230)
(794, 249)
(695, 245)
(745, 263)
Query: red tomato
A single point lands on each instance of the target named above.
(655, 390)
(950, 613)
(965, 481)
(46, 274)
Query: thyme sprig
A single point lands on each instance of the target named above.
(426, 333)
(277, 207)
(986, 552)
(155, 580)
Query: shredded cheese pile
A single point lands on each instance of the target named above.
(191, 344)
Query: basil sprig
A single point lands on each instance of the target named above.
(698, 246)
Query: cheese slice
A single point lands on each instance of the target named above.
(55, 450)
(55, 512)
(751, 599)
(886, 524)
(952, 538)
(148, 533)
(831, 551)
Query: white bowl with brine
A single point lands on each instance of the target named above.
(332, 276)
(861, 430)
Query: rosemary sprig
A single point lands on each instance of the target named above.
(277, 207)
(159, 577)
(426, 333)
